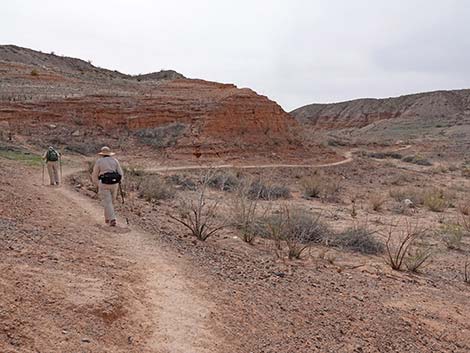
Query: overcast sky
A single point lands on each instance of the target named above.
(294, 51)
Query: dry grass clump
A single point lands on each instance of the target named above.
(199, 215)
(414, 194)
(452, 235)
(319, 185)
(154, 188)
(435, 200)
(34, 72)
(358, 238)
(466, 272)
(246, 215)
(377, 201)
(383, 155)
(268, 191)
(295, 229)
(466, 172)
(224, 181)
(402, 248)
(182, 182)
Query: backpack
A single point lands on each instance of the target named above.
(52, 155)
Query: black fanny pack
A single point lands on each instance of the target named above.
(110, 178)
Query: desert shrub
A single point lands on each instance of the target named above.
(452, 235)
(223, 180)
(417, 258)
(319, 185)
(402, 248)
(85, 148)
(295, 228)
(199, 215)
(154, 187)
(268, 191)
(34, 72)
(417, 159)
(162, 136)
(182, 181)
(246, 216)
(377, 201)
(435, 200)
(358, 238)
(414, 194)
(383, 155)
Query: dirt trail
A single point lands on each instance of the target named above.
(181, 315)
(348, 158)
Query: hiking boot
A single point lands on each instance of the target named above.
(112, 223)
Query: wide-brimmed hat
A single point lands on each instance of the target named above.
(106, 151)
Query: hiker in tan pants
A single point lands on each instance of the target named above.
(52, 159)
(107, 174)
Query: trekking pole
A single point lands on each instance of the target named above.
(43, 167)
(121, 192)
(60, 165)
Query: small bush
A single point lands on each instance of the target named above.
(199, 216)
(34, 72)
(464, 208)
(319, 185)
(414, 194)
(452, 235)
(224, 181)
(466, 172)
(268, 191)
(383, 155)
(417, 258)
(377, 201)
(245, 216)
(155, 188)
(358, 238)
(417, 159)
(183, 182)
(435, 201)
(296, 228)
(399, 247)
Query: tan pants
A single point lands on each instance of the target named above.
(108, 194)
(53, 170)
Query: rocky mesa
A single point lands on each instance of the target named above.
(39, 90)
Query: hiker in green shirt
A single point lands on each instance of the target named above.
(52, 159)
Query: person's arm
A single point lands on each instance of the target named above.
(44, 156)
(95, 174)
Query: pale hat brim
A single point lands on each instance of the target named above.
(106, 153)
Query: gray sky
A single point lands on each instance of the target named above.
(294, 51)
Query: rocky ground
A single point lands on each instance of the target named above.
(71, 284)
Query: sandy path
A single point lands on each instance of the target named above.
(348, 158)
(180, 315)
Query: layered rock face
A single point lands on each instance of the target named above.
(39, 89)
(362, 112)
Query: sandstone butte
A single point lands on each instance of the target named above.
(39, 90)
(453, 106)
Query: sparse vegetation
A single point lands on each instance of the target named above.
(199, 215)
(296, 228)
(319, 185)
(417, 159)
(377, 201)
(435, 200)
(359, 238)
(259, 189)
(399, 251)
(383, 155)
(163, 136)
(154, 188)
(34, 72)
(25, 157)
(245, 215)
(417, 258)
(452, 235)
(466, 271)
(224, 181)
